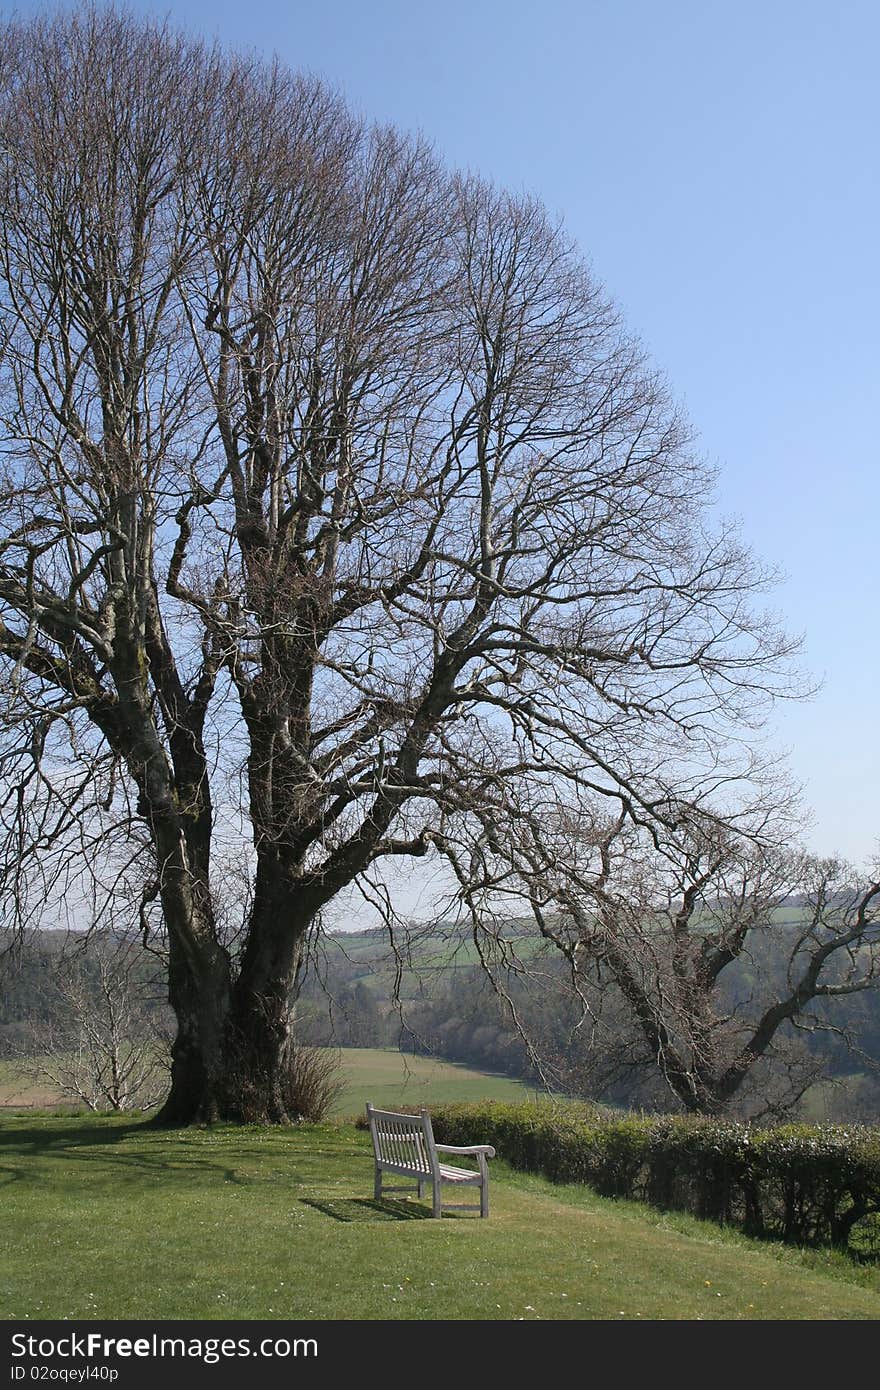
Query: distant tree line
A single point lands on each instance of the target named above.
(536, 1026)
(533, 1024)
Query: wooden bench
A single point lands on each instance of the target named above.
(404, 1144)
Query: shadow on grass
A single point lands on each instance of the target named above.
(112, 1153)
(367, 1209)
(77, 1141)
(88, 1132)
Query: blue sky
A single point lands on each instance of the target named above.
(718, 163)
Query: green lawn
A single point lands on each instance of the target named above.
(107, 1218)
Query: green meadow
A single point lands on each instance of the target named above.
(388, 1078)
(105, 1217)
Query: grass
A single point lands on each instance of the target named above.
(106, 1218)
(388, 1078)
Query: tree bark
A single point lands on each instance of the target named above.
(199, 976)
(257, 1032)
(200, 1000)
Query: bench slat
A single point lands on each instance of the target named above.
(405, 1171)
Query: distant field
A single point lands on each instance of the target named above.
(388, 1078)
(838, 1098)
(16, 1089)
(380, 1075)
(439, 954)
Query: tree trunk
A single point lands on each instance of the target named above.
(189, 1100)
(258, 1026)
(252, 1091)
(230, 1053)
(199, 995)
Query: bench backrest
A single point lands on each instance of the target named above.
(403, 1142)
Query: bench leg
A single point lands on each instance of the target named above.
(377, 1184)
(421, 1187)
(484, 1186)
(438, 1210)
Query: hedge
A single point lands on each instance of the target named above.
(804, 1184)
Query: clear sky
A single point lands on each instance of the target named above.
(718, 163)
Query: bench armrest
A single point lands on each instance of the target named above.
(474, 1149)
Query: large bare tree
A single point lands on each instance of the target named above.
(337, 507)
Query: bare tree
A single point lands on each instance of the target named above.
(105, 1048)
(337, 507)
(719, 953)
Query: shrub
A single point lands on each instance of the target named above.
(312, 1081)
(804, 1184)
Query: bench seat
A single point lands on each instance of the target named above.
(405, 1145)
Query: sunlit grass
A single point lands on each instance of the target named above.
(108, 1218)
(389, 1078)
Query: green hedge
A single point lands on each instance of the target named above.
(805, 1184)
